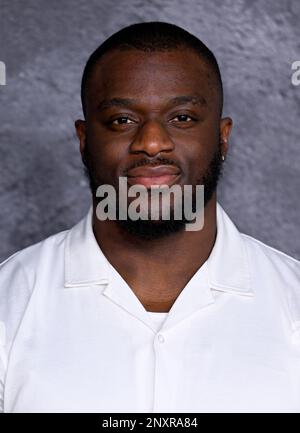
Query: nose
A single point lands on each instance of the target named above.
(152, 139)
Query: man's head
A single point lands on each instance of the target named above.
(152, 100)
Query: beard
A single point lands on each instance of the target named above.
(155, 229)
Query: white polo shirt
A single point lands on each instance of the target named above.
(75, 338)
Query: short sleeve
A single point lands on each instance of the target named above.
(3, 364)
(14, 297)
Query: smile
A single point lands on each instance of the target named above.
(157, 175)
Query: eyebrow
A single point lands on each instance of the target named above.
(177, 100)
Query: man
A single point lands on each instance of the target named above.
(143, 315)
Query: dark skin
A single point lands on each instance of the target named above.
(156, 270)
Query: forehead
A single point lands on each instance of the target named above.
(152, 77)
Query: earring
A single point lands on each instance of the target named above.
(223, 158)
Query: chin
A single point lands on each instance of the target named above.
(152, 229)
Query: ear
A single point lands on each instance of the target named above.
(80, 126)
(225, 129)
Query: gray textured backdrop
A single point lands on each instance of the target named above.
(45, 45)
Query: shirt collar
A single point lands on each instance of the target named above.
(85, 264)
(227, 265)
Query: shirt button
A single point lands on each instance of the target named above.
(161, 338)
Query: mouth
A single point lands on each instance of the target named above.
(154, 176)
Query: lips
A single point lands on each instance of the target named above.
(153, 175)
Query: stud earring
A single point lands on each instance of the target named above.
(223, 158)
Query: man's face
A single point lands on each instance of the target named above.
(153, 118)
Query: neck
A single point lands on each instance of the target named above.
(168, 262)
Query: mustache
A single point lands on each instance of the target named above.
(151, 162)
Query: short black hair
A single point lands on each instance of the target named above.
(151, 37)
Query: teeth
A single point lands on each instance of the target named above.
(159, 186)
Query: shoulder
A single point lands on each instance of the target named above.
(277, 271)
(18, 269)
(18, 274)
(271, 256)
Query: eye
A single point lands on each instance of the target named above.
(183, 118)
(123, 120)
